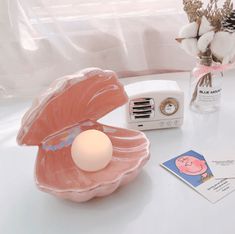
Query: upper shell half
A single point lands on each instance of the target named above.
(71, 105)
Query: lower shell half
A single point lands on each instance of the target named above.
(57, 174)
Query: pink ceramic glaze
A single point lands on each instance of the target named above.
(72, 105)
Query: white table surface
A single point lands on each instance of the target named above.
(155, 203)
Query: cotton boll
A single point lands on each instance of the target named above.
(222, 45)
(190, 46)
(188, 30)
(205, 40)
(232, 53)
(226, 60)
(205, 26)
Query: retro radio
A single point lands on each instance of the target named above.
(154, 104)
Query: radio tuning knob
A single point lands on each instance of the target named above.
(169, 106)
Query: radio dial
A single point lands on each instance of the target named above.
(169, 106)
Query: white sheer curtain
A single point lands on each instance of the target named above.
(45, 39)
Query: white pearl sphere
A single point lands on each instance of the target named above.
(92, 150)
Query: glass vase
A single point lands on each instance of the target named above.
(206, 89)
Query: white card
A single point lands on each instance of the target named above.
(192, 168)
(222, 168)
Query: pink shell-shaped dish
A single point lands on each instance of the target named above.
(72, 105)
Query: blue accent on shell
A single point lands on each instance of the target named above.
(62, 144)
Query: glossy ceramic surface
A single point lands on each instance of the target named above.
(56, 172)
(72, 105)
(89, 94)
